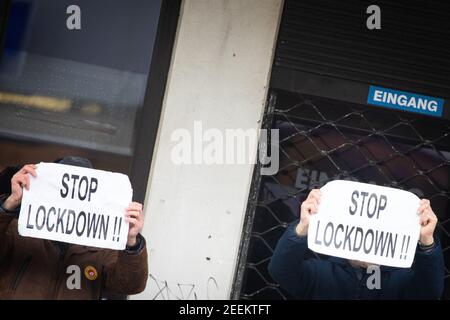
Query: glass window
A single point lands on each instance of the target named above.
(74, 92)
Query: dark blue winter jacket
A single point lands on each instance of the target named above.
(335, 278)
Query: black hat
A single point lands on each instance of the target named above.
(76, 161)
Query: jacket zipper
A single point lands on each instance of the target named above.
(21, 272)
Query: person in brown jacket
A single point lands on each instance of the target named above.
(33, 268)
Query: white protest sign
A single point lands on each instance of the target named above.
(366, 222)
(76, 205)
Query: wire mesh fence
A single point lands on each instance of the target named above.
(322, 140)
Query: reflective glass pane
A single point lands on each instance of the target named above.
(75, 91)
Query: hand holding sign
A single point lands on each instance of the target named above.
(19, 181)
(308, 208)
(135, 218)
(369, 223)
(428, 221)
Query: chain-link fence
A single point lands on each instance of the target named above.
(323, 140)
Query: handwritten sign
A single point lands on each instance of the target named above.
(366, 222)
(76, 205)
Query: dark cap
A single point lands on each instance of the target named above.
(76, 161)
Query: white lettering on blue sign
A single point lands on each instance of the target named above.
(405, 101)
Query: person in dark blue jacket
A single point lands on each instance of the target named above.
(337, 278)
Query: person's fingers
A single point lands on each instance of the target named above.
(423, 204)
(130, 213)
(305, 203)
(133, 214)
(27, 182)
(315, 197)
(18, 174)
(20, 180)
(314, 201)
(132, 221)
(433, 217)
(15, 179)
(133, 209)
(424, 219)
(316, 194)
(428, 218)
(310, 207)
(31, 171)
(304, 208)
(135, 206)
(314, 209)
(22, 170)
(28, 169)
(427, 212)
(421, 209)
(424, 207)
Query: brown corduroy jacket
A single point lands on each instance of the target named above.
(38, 269)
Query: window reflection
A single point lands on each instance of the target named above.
(80, 90)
